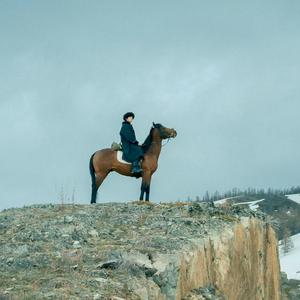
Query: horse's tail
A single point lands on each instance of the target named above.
(92, 172)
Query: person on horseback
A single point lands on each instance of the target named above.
(132, 152)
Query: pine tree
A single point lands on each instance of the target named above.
(287, 241)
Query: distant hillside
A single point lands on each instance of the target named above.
(251, 192)
(282, 205)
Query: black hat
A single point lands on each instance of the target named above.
(127, 115)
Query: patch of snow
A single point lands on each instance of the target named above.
(290, 262)
(222, 201)
(294, 197)
(253, 207)
(252, 204)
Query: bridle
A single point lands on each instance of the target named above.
(160, 142)
(168, 139)
(166, 142)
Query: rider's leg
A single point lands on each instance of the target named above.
(136, 166)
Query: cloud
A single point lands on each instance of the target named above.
(224, 76)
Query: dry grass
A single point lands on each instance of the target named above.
(180, 203)
(142, 202)
(142, 219)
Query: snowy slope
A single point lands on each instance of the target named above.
(252, 204)
(294, 197)
(222, 201)
(290, 262)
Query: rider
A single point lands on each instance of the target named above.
(132, 152)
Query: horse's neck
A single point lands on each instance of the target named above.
(155, 146)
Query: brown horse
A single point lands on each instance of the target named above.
(104, 161)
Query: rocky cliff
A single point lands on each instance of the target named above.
(133, 251)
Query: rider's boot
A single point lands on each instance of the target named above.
(136, 168)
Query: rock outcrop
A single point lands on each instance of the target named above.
(132, 251)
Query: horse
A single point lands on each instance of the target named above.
(104, 161)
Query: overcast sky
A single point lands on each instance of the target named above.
(224, 74)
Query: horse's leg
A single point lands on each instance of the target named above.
(142, 192)
(145, 187)
(98, 181)
(147, 192)
(94, 193)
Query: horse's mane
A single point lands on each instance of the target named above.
(148, 140)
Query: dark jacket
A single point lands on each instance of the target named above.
(131, 150)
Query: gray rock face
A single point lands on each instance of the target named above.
(290, 288)
(109, 251)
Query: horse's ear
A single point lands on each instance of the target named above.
(154, 125)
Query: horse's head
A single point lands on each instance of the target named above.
(164, 132)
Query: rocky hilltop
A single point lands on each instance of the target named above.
(143, 251)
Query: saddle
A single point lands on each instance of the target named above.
(120, 158)
(116, 146)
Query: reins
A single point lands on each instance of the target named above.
(166, 142)
(160, 142)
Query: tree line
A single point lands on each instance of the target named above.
(235, 192)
